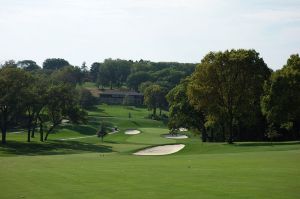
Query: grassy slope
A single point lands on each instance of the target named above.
(87, 168)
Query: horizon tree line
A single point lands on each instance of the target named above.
(229, 96)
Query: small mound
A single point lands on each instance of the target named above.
(176, 136)
(161, 150)
(132, 132)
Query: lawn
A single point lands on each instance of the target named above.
(87, 168)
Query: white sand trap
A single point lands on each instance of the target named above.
(176, 136)
(132, 132)
(183, 129)
(161, 150)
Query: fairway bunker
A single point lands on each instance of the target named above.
(161, 150)
(132, 132)
(176, 136)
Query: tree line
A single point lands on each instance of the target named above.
(230, 96)
(234, 96)
(132, 74)
(39, 100)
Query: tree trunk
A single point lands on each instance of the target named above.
(230, 138)
(33, 128)
(28, 134)
(46, 137)
(160, 112)
(3, 141)
(154, 111)
(4, 125)
(33, 131)
(41, 133)
(204, 135)
(49, 131)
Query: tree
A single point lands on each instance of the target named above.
(62, 102)
(228, 85)
(135, 79)
(69, 74)
(182, 113)
(281, 100)
(54, 64)
(34, 103)
(102, 131)
(9, 64)
(103, 76)
(83, 67)
(28, 65)
(13, 85)
(94, 71)
(86, 99)
(154, 97)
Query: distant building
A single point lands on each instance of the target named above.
(121, 97)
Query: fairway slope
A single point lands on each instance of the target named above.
(161, 150)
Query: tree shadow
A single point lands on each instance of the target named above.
(266, 143)
(135, 123)
(51, 148)
(132, 108)
(96, 109)
(85, 130)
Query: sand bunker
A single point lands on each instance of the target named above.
(183, 129)
(176, 136)
(132, 132)
(161, 150)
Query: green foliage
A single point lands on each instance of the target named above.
(154, 97)
(9, 64)
(136, 79)
(86, 99)
(103, 131)
(54, 64)
(69, 74)
(112, 72)
(182, 113)
(94, 71)
(228, 85)
(13, 90)
(29, 65)
(281, 101)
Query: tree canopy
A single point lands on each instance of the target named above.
(281, 101)
(228, 86)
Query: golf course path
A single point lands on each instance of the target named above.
(161, 150)
(75, 138)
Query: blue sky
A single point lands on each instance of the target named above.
(157, 30)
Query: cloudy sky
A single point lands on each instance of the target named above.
(157, 30)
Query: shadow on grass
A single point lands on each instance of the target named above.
(135, 123)
(96, 109)
(84, 130)
(267, 143)
(51, 148)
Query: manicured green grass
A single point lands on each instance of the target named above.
(87, 168)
